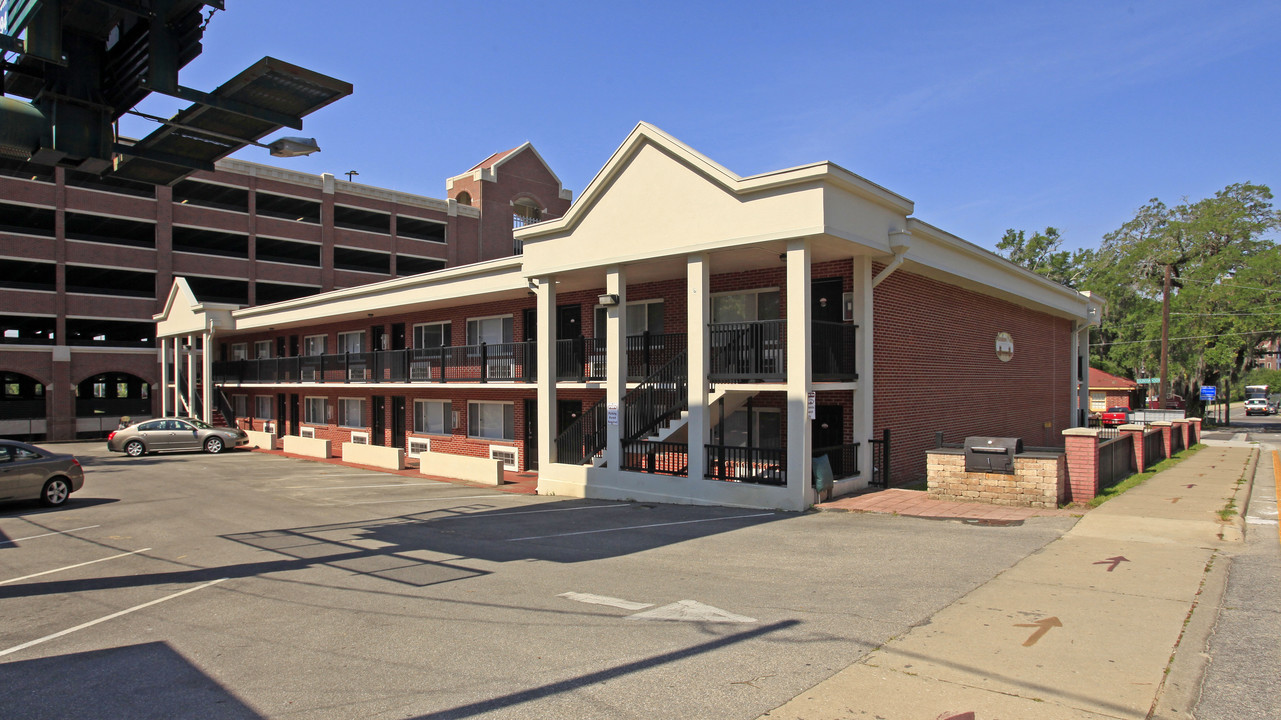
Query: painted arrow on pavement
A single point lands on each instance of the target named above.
(1042, 627)
(1112, 562)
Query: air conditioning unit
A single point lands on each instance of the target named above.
(419, 372)
(499, 370)
(269, 427)
(307, 374)
(307, 432)
(508, 455)
(359, 374)
(418, 446)
(360, 438)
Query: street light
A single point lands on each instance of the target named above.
(293, 147)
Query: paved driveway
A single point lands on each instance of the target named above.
(249, 586)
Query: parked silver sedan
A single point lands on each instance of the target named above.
(29, 472)
(170, 434)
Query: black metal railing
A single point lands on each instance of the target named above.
(842, 458)
(647, 353)
(881, 459)
(832, 347)
(584, 438)
(749, 351)
(222, 405)
(1116, 460)
(660, 458)
(486, 362)
(580, 359)
(661, 397)
(22, 409)
(1153, 448)
(760, 466)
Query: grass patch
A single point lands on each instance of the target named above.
(1139, 478)
(1228, 510)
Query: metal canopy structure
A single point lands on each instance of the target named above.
(231, 117)
(85, 63)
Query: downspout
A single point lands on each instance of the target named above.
(900, 243)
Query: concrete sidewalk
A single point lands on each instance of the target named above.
(1085, 628)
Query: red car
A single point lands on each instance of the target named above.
(1114, 416)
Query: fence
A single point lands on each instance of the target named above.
(762, 466)
(651, 456)
(1116, 460)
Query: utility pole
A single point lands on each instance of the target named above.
(1163, 386)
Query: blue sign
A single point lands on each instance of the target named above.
(1209, 393)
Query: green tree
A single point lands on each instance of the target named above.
(1226, 287)
(1040, 253)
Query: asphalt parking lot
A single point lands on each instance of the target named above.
(247, 585)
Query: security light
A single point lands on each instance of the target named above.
(293, 146)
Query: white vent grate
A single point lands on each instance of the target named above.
(507, 455)
(418, 446)
(307, 432)
(360, 438)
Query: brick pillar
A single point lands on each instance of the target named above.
(1181, 433)
(1167, 429)
(1082, 445)
(1194, 430)
(1136, 438)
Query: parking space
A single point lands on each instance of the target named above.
(264, 586)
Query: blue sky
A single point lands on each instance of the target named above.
(988, 115)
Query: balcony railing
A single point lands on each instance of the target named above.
(487, 362)
(749, 351)
(842, 458)
(832, 347)
(583, 359)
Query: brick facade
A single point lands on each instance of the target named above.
(937, 369)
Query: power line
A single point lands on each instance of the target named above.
(1243, 287)
(1189, 337)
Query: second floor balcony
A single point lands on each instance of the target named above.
(743, 352)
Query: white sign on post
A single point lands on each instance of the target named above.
(812, 402)
(611, 413)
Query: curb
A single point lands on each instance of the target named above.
(1189, 660)
(1233, 530)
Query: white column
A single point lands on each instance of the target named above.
(546, 351)
(1081, 360)
(864, 422)
(698, 315)
(191, 375)
(177, 367)
(164, 377)
(799, 373)
(615, 362)
(206, 376)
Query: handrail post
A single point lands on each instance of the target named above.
(442, 364)
(582, 358)
(484, 362)
(346, 366)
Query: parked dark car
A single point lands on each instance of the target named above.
(171, 434)
(28, 472)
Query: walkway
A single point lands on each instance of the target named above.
(525, 483)
(1085, 628)
(917, 503)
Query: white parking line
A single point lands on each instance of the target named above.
(362, 487)
(60, 532)
(532, 512)
(497, 496)
(112, 616)
(639, 527)
(71, 567)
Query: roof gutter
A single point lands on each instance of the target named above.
(900, 243)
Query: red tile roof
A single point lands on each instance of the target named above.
(1101, 380)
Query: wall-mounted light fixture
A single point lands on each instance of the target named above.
(609, 300)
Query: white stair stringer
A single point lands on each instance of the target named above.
(676, 430)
